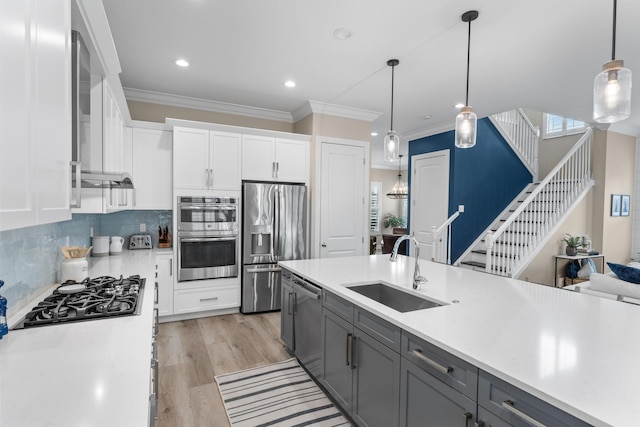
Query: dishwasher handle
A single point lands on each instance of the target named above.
(309, 290)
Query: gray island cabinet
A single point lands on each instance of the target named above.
(382, 375)
(361, 372)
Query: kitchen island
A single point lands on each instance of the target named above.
(579, 353)
(89, 373)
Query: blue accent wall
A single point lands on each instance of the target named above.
(485, 179)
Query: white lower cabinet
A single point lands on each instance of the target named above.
(204, 299)
(164, 282)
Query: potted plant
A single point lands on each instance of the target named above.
(573, 243)
(397, 223)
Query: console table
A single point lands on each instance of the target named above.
(574, 258)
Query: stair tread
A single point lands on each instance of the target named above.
(499, 254)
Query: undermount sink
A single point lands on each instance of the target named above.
(393, 298)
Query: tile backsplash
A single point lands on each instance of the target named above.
(30, 257)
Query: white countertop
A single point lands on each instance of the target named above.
(92, 373)
(577, 352)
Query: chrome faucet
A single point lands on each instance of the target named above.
(418, 280)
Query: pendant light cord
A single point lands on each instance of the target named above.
(613, 39)
(468, 60)
(393, 68)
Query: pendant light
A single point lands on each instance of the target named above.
(612, 87)
(392, 140)
(400, 190)
(467, 121)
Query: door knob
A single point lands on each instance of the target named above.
(324, 245)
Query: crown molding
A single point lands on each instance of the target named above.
(334, 110)
(432, 130)
(206, 105)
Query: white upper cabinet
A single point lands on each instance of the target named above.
(152, 165)
(292, 160)
(35, 120)
(274, 159)
(205, 160)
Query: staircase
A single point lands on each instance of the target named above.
(512, 241)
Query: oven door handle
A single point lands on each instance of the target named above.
(264, 270)
(212, 207)
(207, 239)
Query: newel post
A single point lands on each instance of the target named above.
(488, 243)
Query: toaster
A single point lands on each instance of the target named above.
(140, 241)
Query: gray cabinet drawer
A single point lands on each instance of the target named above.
(339, 306)
(427, 402)
(515, 406)
(449, 369)
(383, 331)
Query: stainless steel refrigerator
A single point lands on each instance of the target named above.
(274, 228)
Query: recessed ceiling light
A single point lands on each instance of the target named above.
(459, 105)
(182, 63)
(290, 83)
(342, 34)
(374, 133)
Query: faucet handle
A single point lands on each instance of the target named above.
(419, 281)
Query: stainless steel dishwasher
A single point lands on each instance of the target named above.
(307, 320)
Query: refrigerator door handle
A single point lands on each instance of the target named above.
(277, 194)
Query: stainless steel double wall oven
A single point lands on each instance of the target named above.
(208, 239)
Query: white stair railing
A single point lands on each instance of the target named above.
(522, 135)
(440, 252)
(511, 244)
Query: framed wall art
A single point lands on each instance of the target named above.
(625, 205)
(615, 204)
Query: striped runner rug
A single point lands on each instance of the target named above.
(281, 395)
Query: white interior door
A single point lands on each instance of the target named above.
(343, 211)
(429, 197)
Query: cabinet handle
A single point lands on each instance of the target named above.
(467, 416)
(155, 293)
(509, 406)
(295, 303)
(441, 368)
(349, 349)
(78, 183)
(277, 169)
(210, 178)
(208, 299)
(171, 268)
(353, 352)
(273, 170)
(289, 306)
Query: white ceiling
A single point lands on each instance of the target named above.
(539, 54)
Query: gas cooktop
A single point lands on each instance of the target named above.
(99, 298)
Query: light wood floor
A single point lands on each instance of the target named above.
(192, 352)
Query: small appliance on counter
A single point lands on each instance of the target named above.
(115, 248)
(140, 241)
(100, 245)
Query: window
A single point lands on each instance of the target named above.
(375, 207)
(555, 126)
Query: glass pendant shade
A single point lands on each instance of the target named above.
(391, 146)
(466, 127)
(612, 93)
